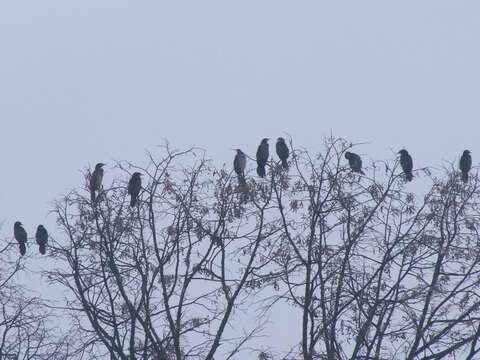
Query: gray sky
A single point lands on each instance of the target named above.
(90, 81)
(83, 82)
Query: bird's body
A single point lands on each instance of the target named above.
(465, 164)
(134, 187)
(96, 180)
(282, 151)
(262, 157)
(41, 236)
(406, 163)
(355, 162)
(239, 164)
(21, 236)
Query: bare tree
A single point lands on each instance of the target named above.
(372, 270)
(376, 272)
(164, 279)
(26, 324)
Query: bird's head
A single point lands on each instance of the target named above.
(265, 140)
(99, 165)
(403, 152)
(40, 227)
(17, 224)
(239, 152)
(466, 152)
(348, 154)
(281, 140)
(137, 174)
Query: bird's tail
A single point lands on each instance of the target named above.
(92, 195)
(409, 176)
(241, 179)
(23, 249)
(261, 170)
(133, 201)
(42, 249)
(465, 177)
(285, 163)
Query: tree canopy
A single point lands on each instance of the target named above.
(360, 265)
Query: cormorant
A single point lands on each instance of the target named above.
(41, 236)
(407, 164)
(355, 162)
(134, 187)
(282, 151)
(465, 164)
(96, 180)
(262, 157)
(239, 164)
(21, 236)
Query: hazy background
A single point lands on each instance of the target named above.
(83, 82)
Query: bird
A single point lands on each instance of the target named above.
(41, 236)
(465, 164)
(407, 164)
(262, 157)
(355, 162)
(21, 236)
(96, 180)
(282, 151)
(239, 164)
(134, 187)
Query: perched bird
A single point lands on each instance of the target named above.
(355, 162)
(407, 164)
(465, 164)
(262, 157)
(239, 164)
(41, 236)
(21, 236)
(134, 187)
(96, 180)
(282, 151)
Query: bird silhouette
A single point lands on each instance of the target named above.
(355, 162)
(262, 157)
(239, 164)
(41, 236)
(21, 236)
(96, 180)
(282, 151)
(134, 187)
(406, 163)
(465, 164)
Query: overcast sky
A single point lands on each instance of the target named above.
(89, 81)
